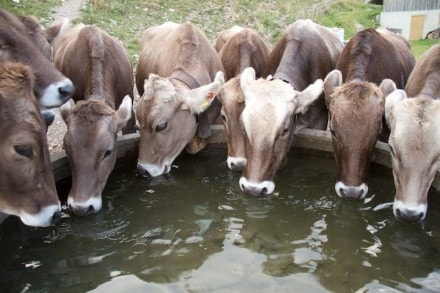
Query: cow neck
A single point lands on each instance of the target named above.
(186, 78)
(286, 78)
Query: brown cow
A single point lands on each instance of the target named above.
(174, 76)
(101, 71)
(303, 56)
(356, 102)
(27, 185)
(238, 48)
(415, 136)
(20, 44)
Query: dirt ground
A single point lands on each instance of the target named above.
(70, 9)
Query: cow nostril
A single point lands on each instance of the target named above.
(264, 190)
(90, 210)
(56, 216)
(66, 90)
(143, 172)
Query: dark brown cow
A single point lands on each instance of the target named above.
(238, 48)
(178, 76)
(101, 71)
(415, 136)
(27, 185)
(303, 56)
(356, 102)
(18, 43)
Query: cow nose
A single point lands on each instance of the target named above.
(143, 172)
(82, 210)
(409, 215)
(66, 89)
(351, 192)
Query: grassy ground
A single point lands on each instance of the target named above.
(126, 19)
(39, 8)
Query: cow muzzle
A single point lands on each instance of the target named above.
(88, 207)
(409, 213)
(256, 188)
(351, 192)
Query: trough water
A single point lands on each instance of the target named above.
(195, 231)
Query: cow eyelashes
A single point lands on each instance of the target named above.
(24, 150)
(161, 127)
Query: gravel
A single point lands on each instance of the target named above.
(69, 9)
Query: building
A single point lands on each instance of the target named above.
(413, 19)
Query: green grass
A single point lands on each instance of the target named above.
(351, 16)
(127, 19)
(420, 47)
(42, 9)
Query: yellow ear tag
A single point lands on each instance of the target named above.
(208, 98)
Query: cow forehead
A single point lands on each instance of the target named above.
(416, 123)
(267, 104)
(356, 100)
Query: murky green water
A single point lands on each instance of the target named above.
(196, 231)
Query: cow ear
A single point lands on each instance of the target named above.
(387, 86)
(309, 95)
(123, 114)
(199, 99)
(220, 77)
(246, 77)
(391, 100)
(331, 82)
(65, 110)
(54, 32)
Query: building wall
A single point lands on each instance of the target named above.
(401, 21)
(410, 5)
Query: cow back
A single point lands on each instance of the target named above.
(374, 55)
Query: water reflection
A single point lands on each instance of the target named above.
(194, 230)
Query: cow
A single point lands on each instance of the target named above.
(371, 65)
(299, 61)
(178, 76)
(101, 71)
(415, 136)
(27, 185)
(238, 49)
(21, 41)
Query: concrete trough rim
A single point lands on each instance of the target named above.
(308, 139)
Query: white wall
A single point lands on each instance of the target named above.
(402, 20)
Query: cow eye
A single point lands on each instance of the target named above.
(224, 118)
(161, 127)
(285, 131)
(333, 132)
(24, 150)
(107, 153)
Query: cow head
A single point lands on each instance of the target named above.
(166, 115)
(51, 88)
(90, 144)
(415, 151)
(268, 121)
(232, 100)
(27, 185)
(356, 110)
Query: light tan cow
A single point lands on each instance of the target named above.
(238, 49)
(101, 71)
(27, 185)
(305, 53)
(178, 76)
(268, 120)
(415, 136)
